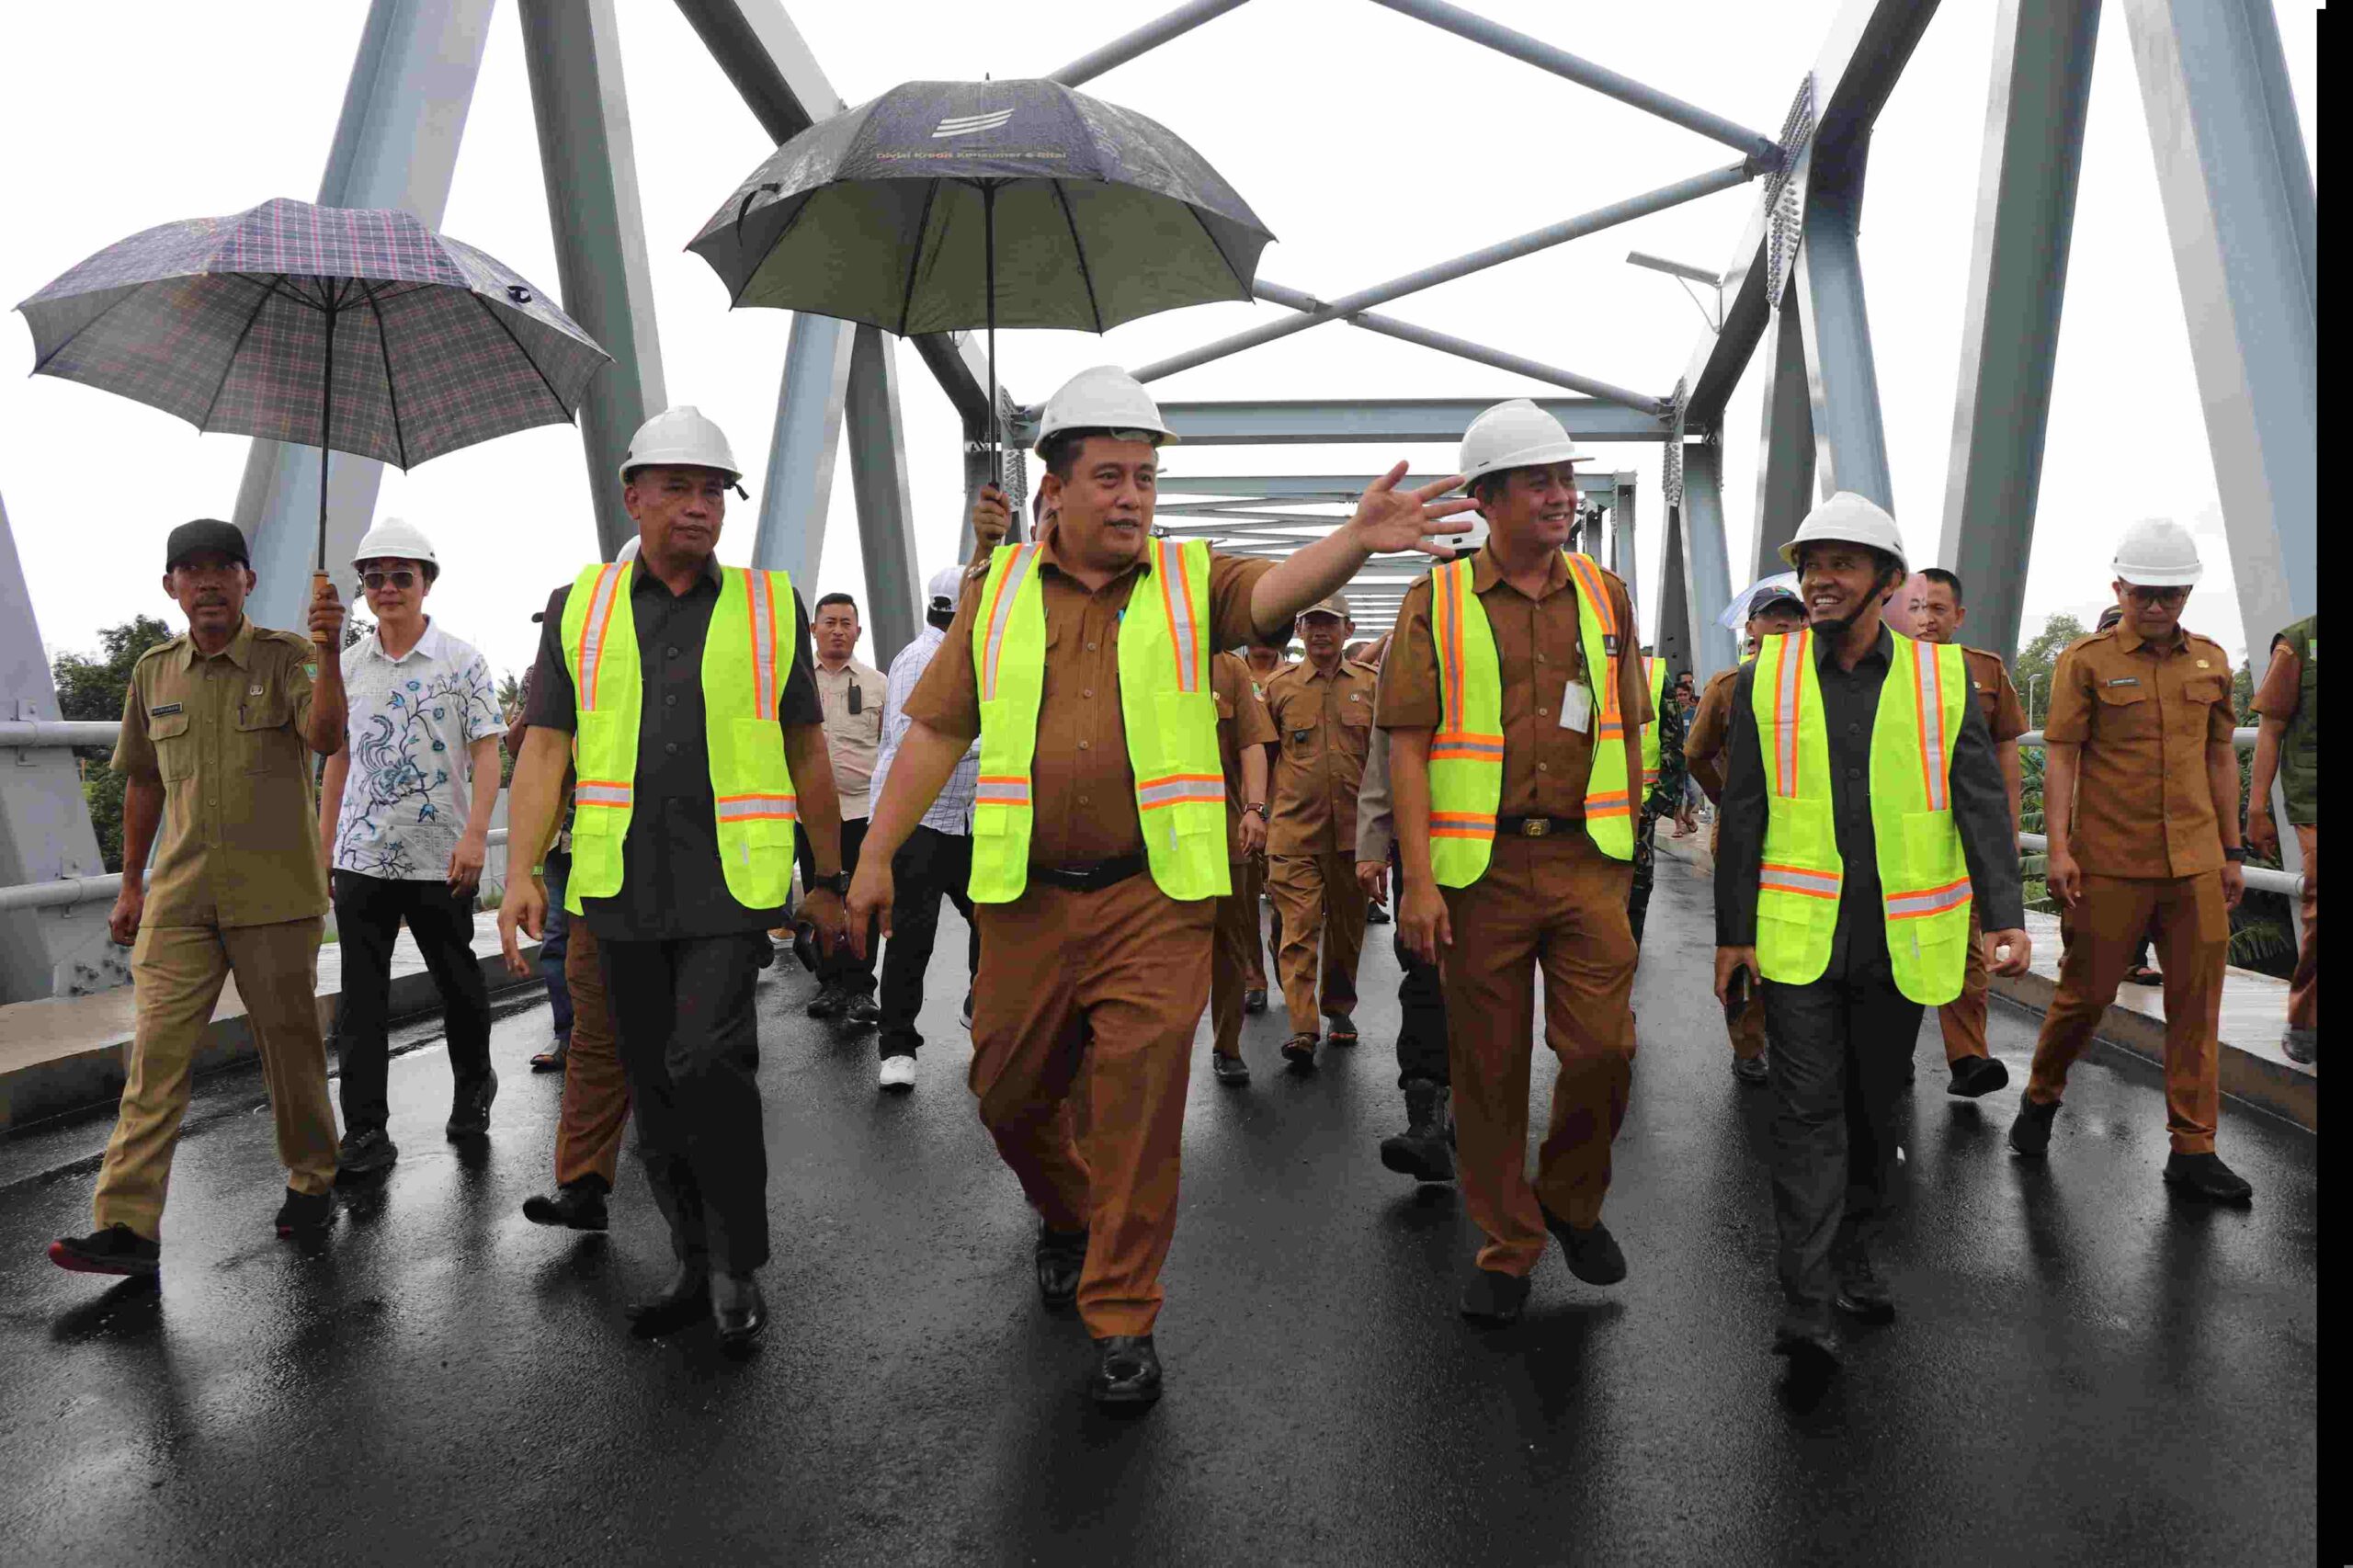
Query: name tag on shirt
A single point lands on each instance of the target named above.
(2126, 680)
(165, 712)
(1576, 707)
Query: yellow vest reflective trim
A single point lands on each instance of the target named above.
(1467, 749)
(747, 655)
(1923, 880)
(1657, 668)
(1166, 708)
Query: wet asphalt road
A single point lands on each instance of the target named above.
(2083, 1370)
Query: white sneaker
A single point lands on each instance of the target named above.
(899, 1074)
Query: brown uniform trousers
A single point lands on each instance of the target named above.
(1321, 907)
(1703, 746)
(1557, 905)
(1233, 955)
(1324, 725)
(1962, 1021)
(2193, 938)
(1747, 1027)
(595, 1089)
(1092, 998)
(178, 972)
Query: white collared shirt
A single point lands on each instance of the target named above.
(411, 720)
(952, 812)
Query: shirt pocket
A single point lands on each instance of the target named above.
(1355, 724)
(174, 747)
(265, 741)
(2125, 713)
(2203, 691)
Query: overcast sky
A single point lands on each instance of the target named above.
(1370, 144)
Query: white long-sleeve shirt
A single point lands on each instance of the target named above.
(952, 812)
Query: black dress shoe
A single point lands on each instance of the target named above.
(574, 1206)
(1492, 1299)
(365, 1152)
(2205, 1176)
(739, 1309)
(470, 1111)
(1062, 1258)
(864, 1010)
(1808, 1341)
(304, 1216)
(1976, 1075)
(1254, 1001)
(1229, 1069)
(1375, 915)
(553, 1058)
(1591, 1251)
(1126, 1370)
(827, 1004)
(2030, 1133)
(1861, 1292)
(118, 1249)
(682, 1303)
(1751, 1069)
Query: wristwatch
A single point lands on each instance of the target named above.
(2235, 852)
(1258, 806)
(839, 883)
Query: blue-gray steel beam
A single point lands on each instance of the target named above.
(1529, 243)
(1624, 541)
(877, 475)
(2017, 276)
(798, 491)
(1462, 348)
(1842, 378)
(1785, 466)
(1671, 633)
(1707, 564)
(571, 50)
(1585, 72)
(2239, 204)
(45, 833)
(395, 145)
(1263, 424)
(1152, 35)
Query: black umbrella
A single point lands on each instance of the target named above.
(898, 213)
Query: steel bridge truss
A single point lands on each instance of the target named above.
(2239, 206)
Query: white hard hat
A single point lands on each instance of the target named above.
(1104, 398)
(396, 539)
(946, 583)
(682, 437)
(1848, 518)
(2158, 553)
(1514, 435)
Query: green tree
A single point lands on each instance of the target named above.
(2031, 669)
(92, 687)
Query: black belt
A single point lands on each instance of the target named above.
(1537, 827)
(1092, 877)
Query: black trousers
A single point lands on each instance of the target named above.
(842, 969)
(368, 915)
(683, 1011)
(930, 865)
(1839, 1048)
(1638, 891)
(1421, 1003)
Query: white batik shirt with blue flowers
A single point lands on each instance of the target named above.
(411, 720)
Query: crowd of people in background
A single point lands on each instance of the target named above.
(1098, 749)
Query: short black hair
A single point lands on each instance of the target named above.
(1891, 573)
(942, 618)
(1060, 451)
(1950, 579)
(833, 599)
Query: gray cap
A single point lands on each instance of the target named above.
(206, 534)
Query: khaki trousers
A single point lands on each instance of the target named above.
(1747, 1027)
(1557, 905)
(1962, 1019)
(1250, 884)
(1321, 906)
(1093, 997)
(177, 972)
(2192, 934)
(1233, 951)
(595, 1089)
(2303, 992)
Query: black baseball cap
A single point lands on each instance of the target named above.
(206, 534)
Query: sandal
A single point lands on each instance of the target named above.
(2141, 974)
(1300, 1051)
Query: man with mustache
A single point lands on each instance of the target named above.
(219, 727)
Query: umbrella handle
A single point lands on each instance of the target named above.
(319, 580)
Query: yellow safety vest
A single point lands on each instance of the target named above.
(1923, 874)
(1657, 668)
(1165, 704)
(746, 656)
(1467, 752)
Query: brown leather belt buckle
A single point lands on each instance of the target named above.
(1535, 827)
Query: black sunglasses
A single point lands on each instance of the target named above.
(371, 581)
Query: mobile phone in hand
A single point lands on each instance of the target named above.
(1736, 994)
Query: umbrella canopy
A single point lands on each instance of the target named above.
(358, 330)
(884, 214)
(1735, 614)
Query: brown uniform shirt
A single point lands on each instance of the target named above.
(239, 841)
(1997, 699)
(1081, 782)
(2145, 716)
(1703, 747)
(1539, 650)
(1325, 724)
(1240, 721)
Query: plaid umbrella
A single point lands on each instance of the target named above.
(898, 213)
(340, 328)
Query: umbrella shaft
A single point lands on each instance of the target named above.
(988, 244)
(326, 424)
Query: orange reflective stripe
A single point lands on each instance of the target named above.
(1458, 745)
(1928, 901)
(1449, 627)
(1588, 576)
(1003, 789)
(1008, 588)
(592, 636)
(1178, 788)
(760, 607)
(1929, 701)
(1799, 879)
(1617, 805)
(1461, 825)
(1176, 600)
(1788, 688)
(759, 808)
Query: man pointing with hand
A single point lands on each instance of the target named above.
(1100, 834)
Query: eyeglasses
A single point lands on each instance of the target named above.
(372, 581)
(2139, 594)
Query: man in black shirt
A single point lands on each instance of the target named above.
(1841, 1041)
(680, 948)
